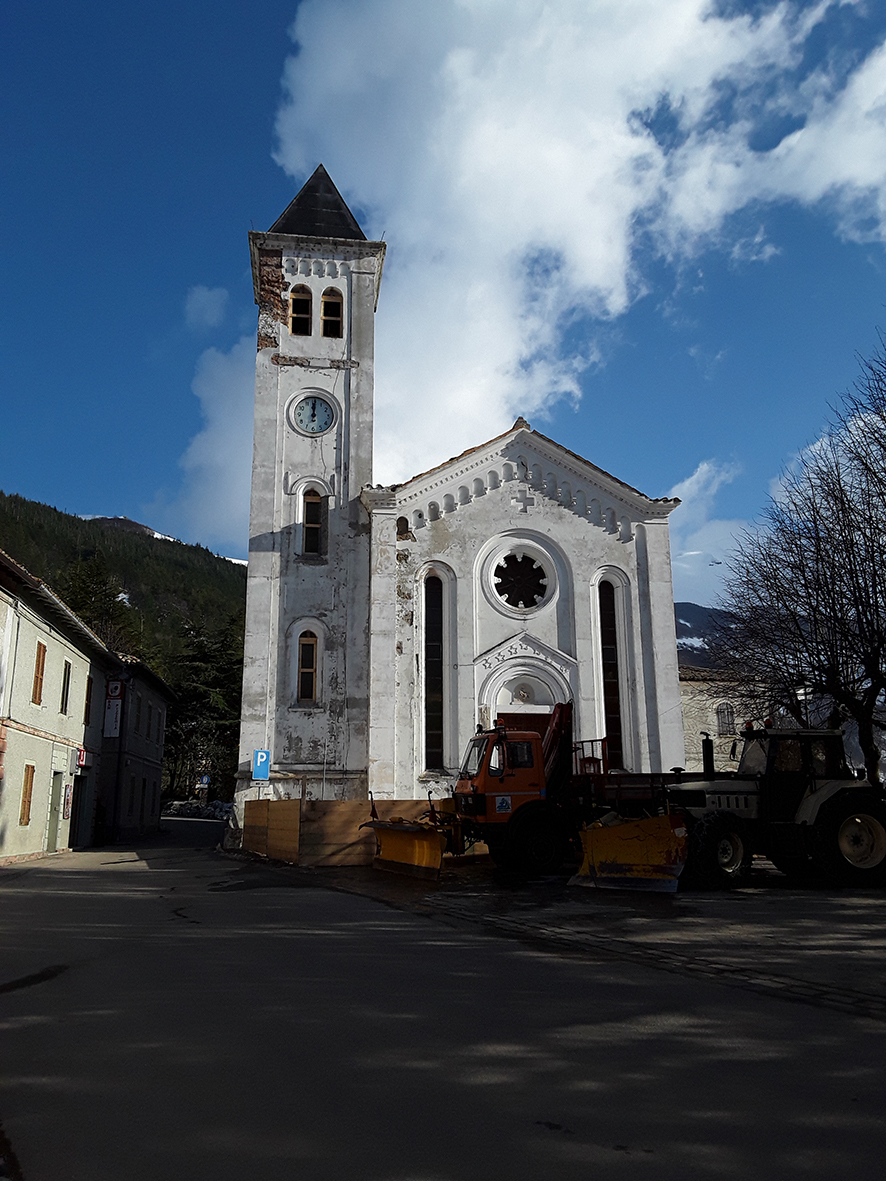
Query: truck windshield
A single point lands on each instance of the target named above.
(473, 757)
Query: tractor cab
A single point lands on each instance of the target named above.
(791, 763)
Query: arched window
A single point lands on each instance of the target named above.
(433, 672)
(725, 719)
(609, 658)
(403, 529)
(300, 311)
(307, 668)
(312, 522)
(331, 312)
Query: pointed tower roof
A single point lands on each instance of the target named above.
(318, 211)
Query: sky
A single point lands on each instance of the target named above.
(654, 228)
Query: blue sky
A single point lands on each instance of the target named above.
(653, 227)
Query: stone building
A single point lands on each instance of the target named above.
(707, 709)
(385, 623)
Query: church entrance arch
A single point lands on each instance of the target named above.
(525, 686)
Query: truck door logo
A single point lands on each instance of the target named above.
(502, 803)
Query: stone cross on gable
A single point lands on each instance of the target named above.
(522, 499)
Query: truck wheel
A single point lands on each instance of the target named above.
(849, 840)
(535, 843)
(495, 843)
(719, 853)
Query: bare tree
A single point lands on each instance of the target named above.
(806, 592)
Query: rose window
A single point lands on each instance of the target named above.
(520, 581)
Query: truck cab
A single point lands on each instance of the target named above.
(502, 770)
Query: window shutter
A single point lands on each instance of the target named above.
(27, 791)
(39, 667)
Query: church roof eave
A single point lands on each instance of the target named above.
(662, 505)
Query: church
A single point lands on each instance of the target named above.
(384, 624)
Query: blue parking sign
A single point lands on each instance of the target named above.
(261, 764)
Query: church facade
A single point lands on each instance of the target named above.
(385, 623)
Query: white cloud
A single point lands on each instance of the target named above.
(699, 540)
(523, 154)
(213, 506)
(205, 307)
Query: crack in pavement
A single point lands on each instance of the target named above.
(788, 988)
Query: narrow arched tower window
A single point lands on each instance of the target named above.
(307, 668)
(331, 312)
(433, 672)
(300, 311)
(312, 522)
(609, 659)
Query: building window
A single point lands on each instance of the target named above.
(725, 719)
(433, 672)
(87, 705)
(312, 525)
(331, 313)
(138, 713)
(300, 311)
(39, 669)
(159, 726)
(24, 816)
(307, 668)
(609, 659)
(66, 688)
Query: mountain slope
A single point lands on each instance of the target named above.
(168, 583)
(694, 627)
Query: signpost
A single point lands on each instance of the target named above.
(113, 709)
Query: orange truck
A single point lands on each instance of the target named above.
(517, 792)
(533, 796)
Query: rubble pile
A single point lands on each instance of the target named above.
(217, 810)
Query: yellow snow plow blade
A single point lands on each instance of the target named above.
(622, 854)
(408, 846)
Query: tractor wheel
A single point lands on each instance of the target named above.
(719, 853)
(536, 843)
(849, 840)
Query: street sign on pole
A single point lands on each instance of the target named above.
(261, 764)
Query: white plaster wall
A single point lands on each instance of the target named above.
(38, 734)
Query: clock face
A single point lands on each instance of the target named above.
(313, 415)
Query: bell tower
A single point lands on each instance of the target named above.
(306, 662)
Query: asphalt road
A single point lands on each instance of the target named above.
(167, 1012)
